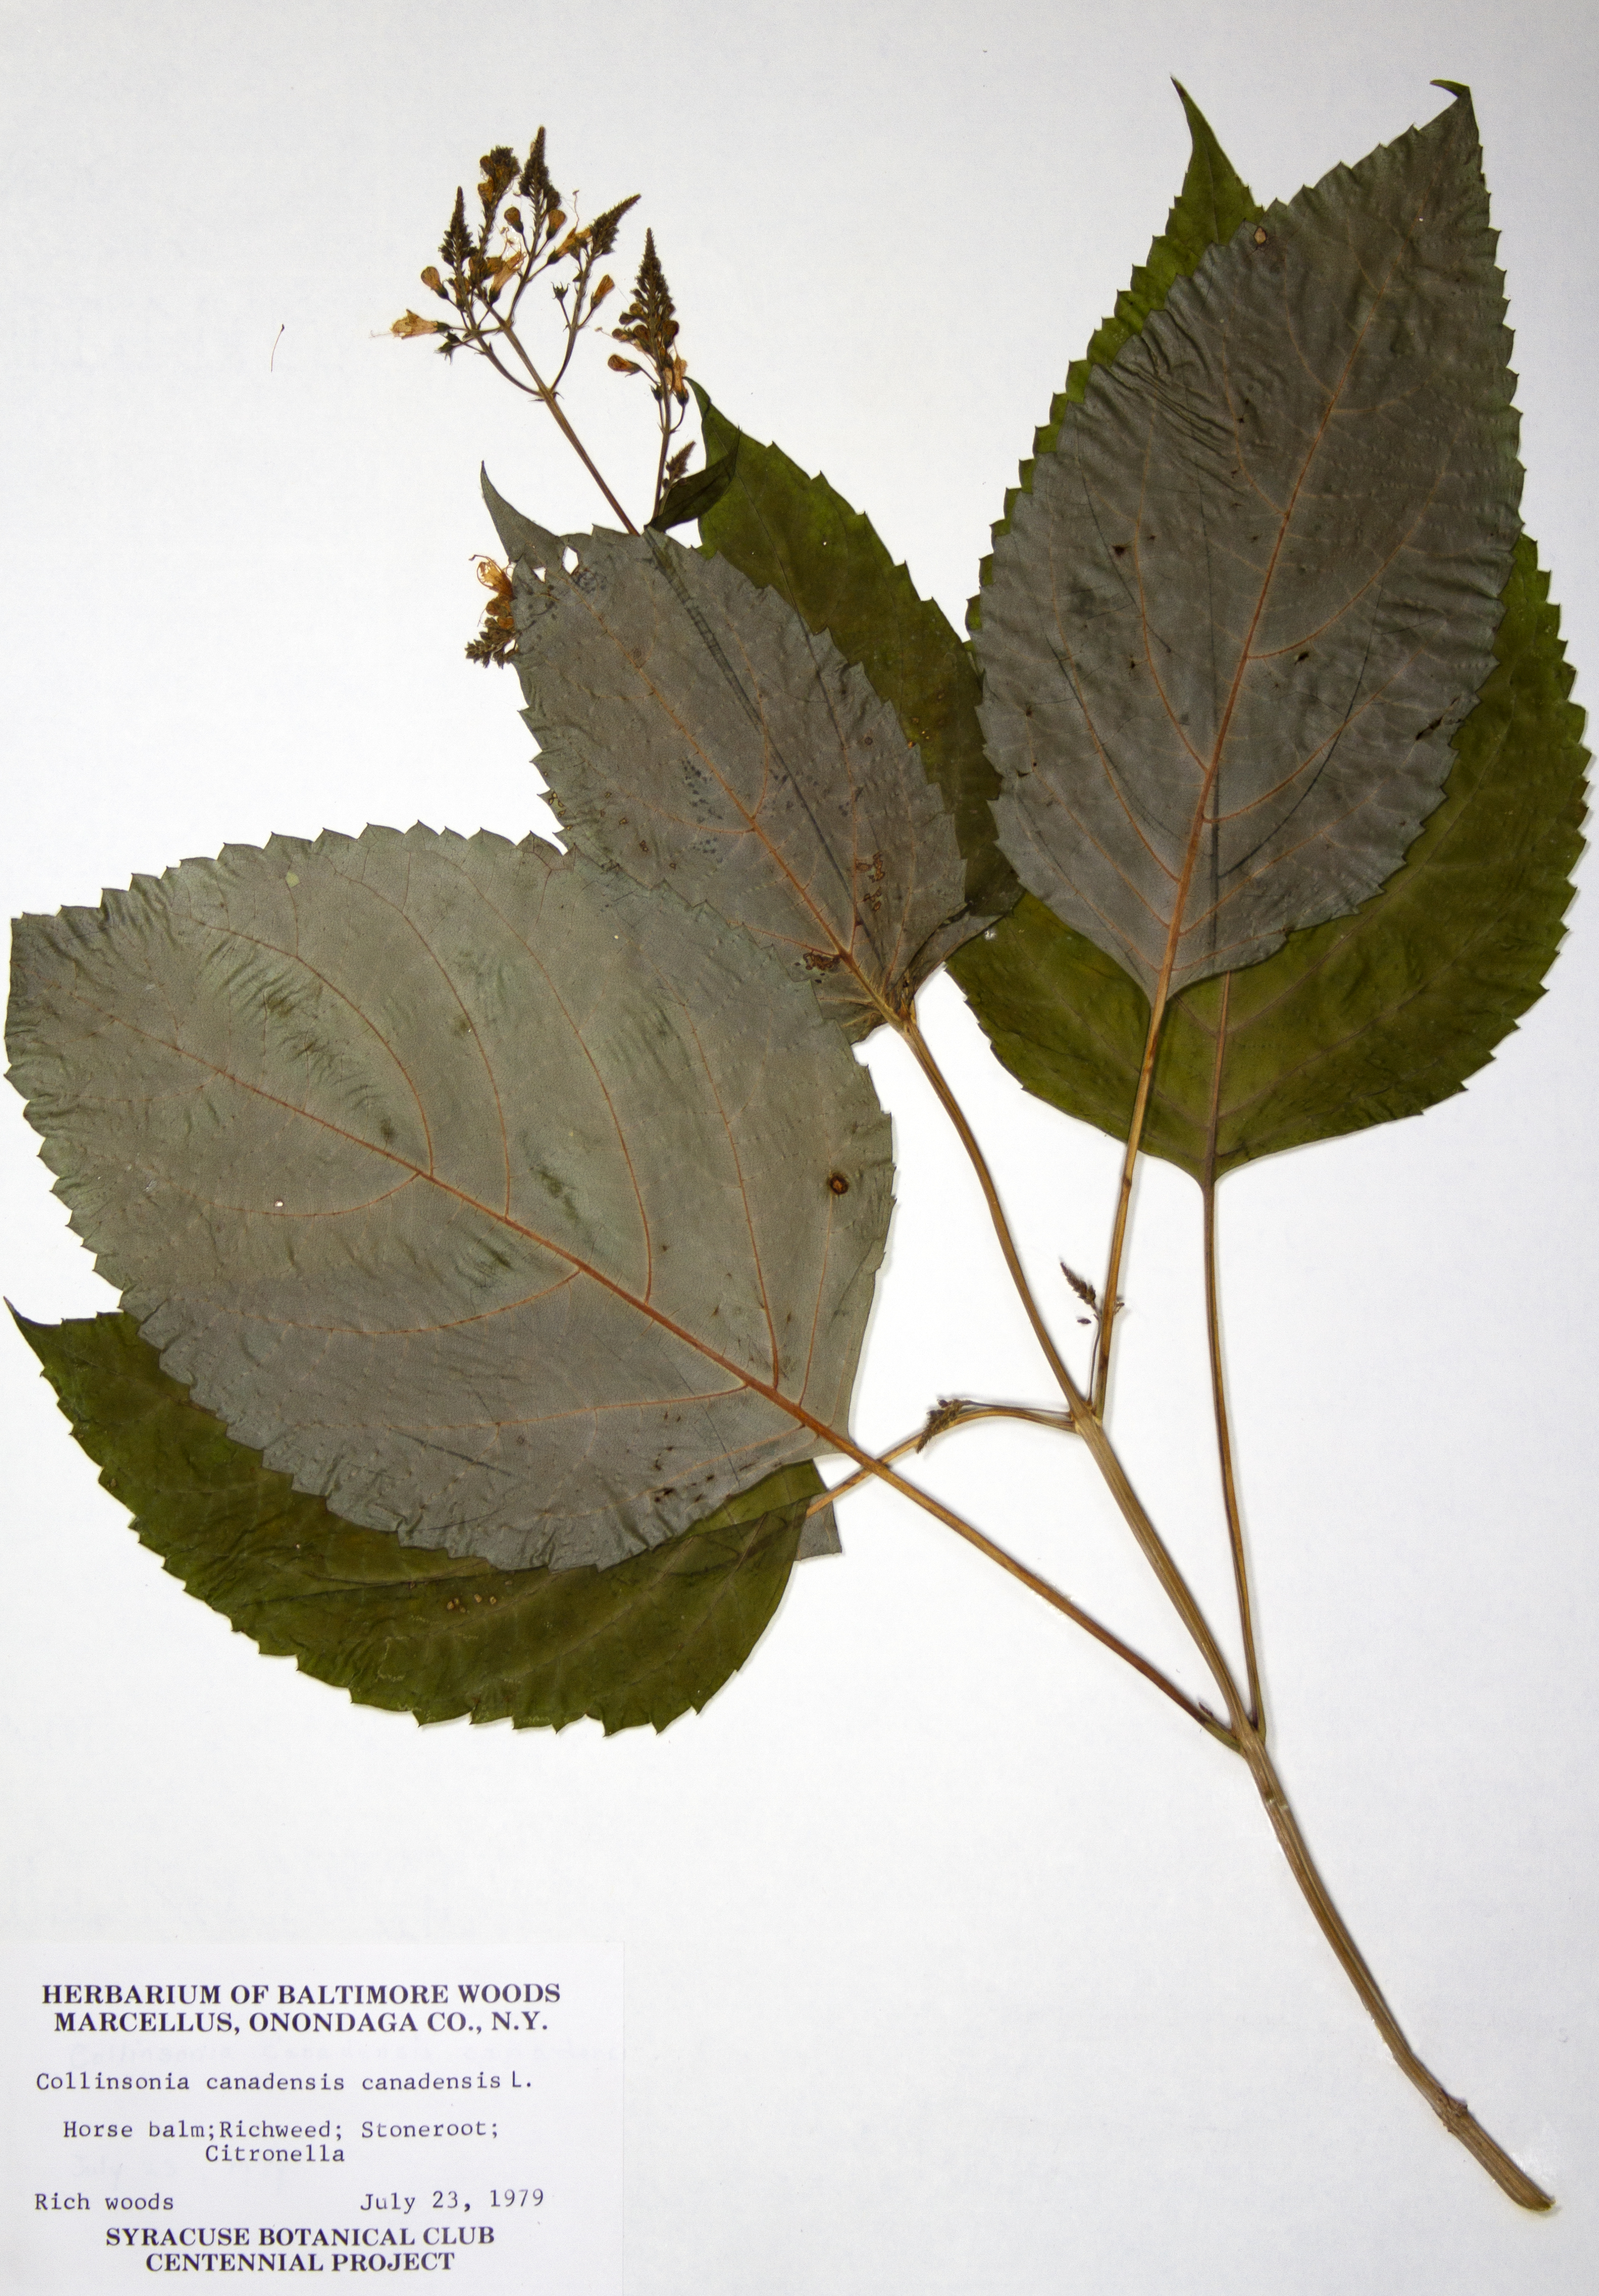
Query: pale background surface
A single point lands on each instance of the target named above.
(957, 1960)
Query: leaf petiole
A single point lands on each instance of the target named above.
(880, 1469)
(1110, 1297)
(951, 1411)
(1218, 1384)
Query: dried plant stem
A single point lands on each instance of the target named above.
(1244, 1739)
(1250, 1744)
(1451, 2110)
(922, 1054)
(1229, 1488)
(1108, 1301)
(881, 1470)
(1246, 1736)
(960, 1415)
(1155, 1552)
(1084, 1419)
(1218, 1384)
(660, 463)
(862, 1475)
(542, 390)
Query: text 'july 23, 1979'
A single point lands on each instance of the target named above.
(339, 2110)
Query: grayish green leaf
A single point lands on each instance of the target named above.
(1213, 202)
(794, 533)
(1254, 589)
(1356, 1022)
(402, 1627)
(503, 1206)
(696, 733)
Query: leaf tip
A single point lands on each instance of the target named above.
(519, 535)
(1200, 129)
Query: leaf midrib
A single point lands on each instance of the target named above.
(768, 1389)
(1176, 927)
(843, 953)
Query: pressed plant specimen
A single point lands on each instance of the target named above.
(497, 1226)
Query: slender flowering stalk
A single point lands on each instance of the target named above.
(489, 268)
(649, 325)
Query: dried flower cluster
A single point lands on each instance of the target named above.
(496, 641)
(649, 326)
(484, 282)
(487, 270)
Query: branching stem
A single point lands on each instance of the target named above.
(1083, 1418)
(543, 391)
(881, 1470)
(941, 1421)
(1244, 1739)
(1243, 1733)
(1249, 1742)
(1246, 1736)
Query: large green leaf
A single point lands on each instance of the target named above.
(507, 1208)
(1373, 1016)
(1212, 203)
(1072, 974)
(427, 1634)
(796, 534)
(1255, 586)
(695, 733)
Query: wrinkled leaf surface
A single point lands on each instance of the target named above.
(796, 534)
(1255, 586)
(1357, 1021)
(1076, 978)
(695, 733)
(504, 1206)
(410, 1628)
(1212, 203)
